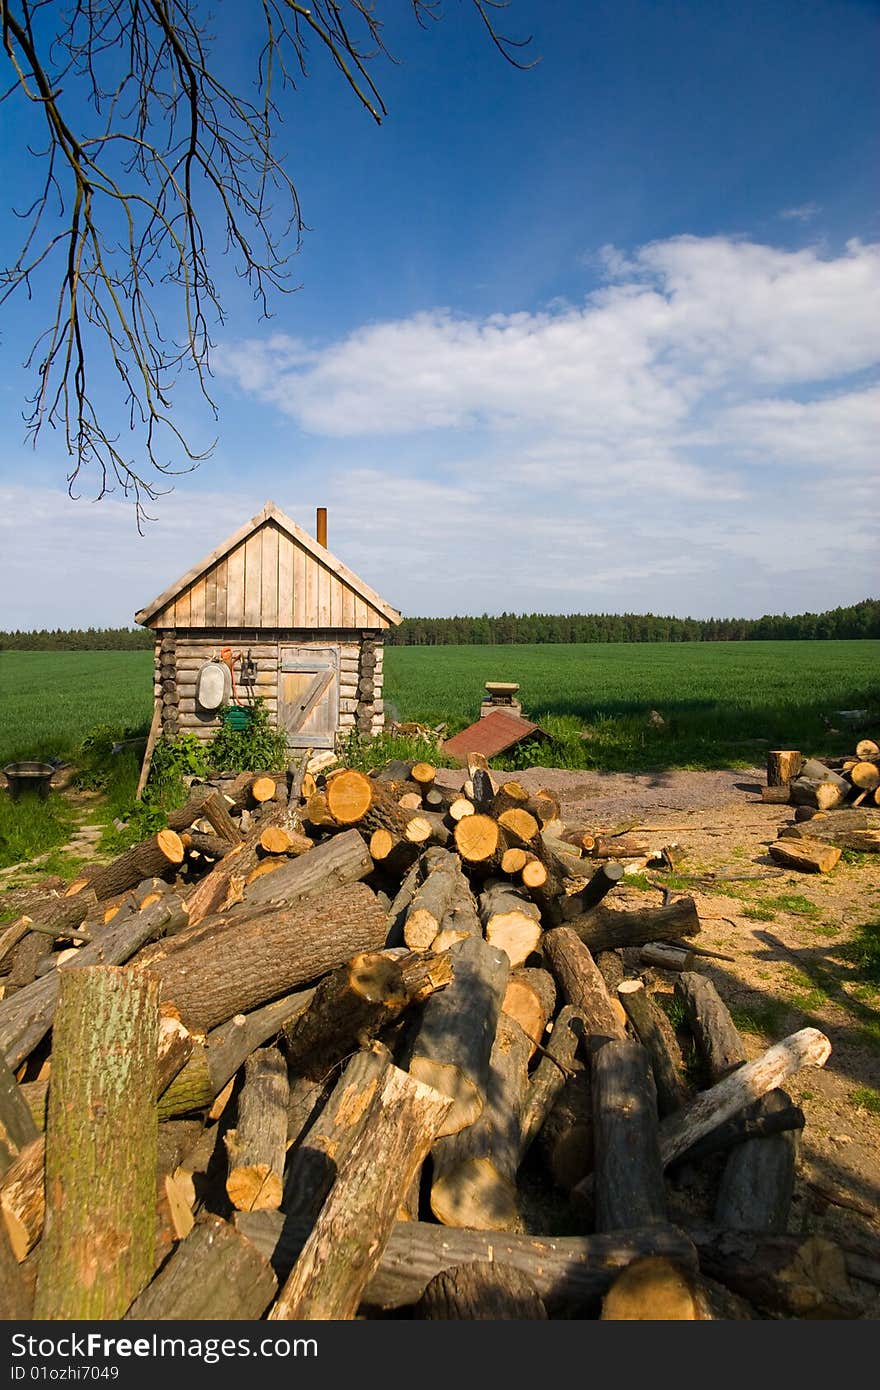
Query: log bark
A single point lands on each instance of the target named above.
(644, 1016)
(343, 859)
(783, 765)
(154, 857)
(570, 1273)
(715, 1033)
(214, 1275)
(665, 957)
(549, 1077)
(451, 1049)
(628, 1173)
(101, 1147)
(226, 881)
(216, 1061)
(257, 1146)
(347, 1240)
(268, 952)
(17, 1127)
(431, 902)
(757, 1184)
(481, 1290)
(401, 904)
(602, 881)
(605, 928)
(807, 855)
(206, 804)
(27, 1016)
(776, 796)
(754, 1123)
(511, 921)
(474, 1171)
(741, 1088)
(797, 1275)
(582, 984)
(824, 795)
(863, 840)
(329, 1135)
(351, 1005)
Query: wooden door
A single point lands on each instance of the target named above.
(308, 696)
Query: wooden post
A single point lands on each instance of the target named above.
(101, 1147)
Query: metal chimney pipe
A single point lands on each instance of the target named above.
(321, 527)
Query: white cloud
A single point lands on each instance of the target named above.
(805, 212)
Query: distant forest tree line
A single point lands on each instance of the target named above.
(860, 620)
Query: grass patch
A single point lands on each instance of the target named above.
(766, 1019)
(794, 903)
(863, 951)
(29, 827)
(866, 1098)
(759, 912)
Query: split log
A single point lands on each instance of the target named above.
(741, 1088)
(401, 904)
(174, 1050)
(474, 1170)
(431, 901)
(101, 1147)
(549, 1077)
(807, 855)
(26, 1018)
(215, 1274)
(588, 897)
(582, 985)
(17, 1127)
(154, 857)
(343, 859)
(206, 803)
(460, 919)
(783, 765)
(257, 1146)
(480, 1290)
(605, 928)
(511, 921)
(628, 1173)
(665, 957)
(530, 999)
(266, 952)
(715, 1033)
(451, 1049)
(797, 1275)
(644, 1016)
(23, 1198)
(59, 917)
(16, 1301)
(863, 840)
(329, 1136)
(215, 1062)
(570, 1273)
(351, 1005)
(347, 1240)
(483, 798)
(565, 1140)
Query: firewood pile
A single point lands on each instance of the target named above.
(334, 1045)
(835, 800)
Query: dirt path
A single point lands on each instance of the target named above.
(788, 933)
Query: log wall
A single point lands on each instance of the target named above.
(181, 653)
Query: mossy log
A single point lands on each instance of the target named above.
(97, 1249)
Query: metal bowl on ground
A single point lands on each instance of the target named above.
(29, 776)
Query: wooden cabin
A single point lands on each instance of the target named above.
(287, 620)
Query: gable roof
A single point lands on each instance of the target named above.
(274, 517)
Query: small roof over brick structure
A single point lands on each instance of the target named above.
(269, 574)
(491, 735)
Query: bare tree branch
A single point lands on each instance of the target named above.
(146, 144)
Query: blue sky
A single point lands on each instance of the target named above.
(598, 336)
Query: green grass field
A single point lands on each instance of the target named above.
(714, 697)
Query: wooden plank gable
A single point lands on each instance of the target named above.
(270, 574)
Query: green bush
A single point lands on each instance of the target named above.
(259, 747)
